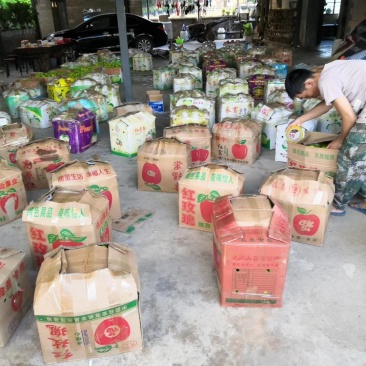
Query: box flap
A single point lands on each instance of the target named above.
(300, 186)
(315, 137)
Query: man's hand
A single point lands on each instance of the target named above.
(335, 145)
(296, 122)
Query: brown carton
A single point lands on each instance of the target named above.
(199, 187)
(161, 163)
(16, 292)
(13, 198)
(131, 107)
(236, 139)
(66, 217)
(251, 242)
(98, 176)
(306, 196)
(12, 137)
(301, 155)
(199, 137)
(86, 303)
(39, 157)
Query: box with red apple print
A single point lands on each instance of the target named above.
(37, 158)
(98, 176)
(236, 139)
(199, 137)
(306, 197)
(13, 198)
(251, 242)
(161, 163)
(12, 137)
(16, 292)
(198, 189)
(66, 217)
(76, 323)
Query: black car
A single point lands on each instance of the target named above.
(101, 31)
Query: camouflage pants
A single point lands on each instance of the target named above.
(351, 175)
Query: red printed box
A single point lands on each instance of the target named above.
(251, 242)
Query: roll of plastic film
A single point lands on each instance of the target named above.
(295, 133)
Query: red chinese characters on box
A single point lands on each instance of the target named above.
(16, 292)
(161, 164)
(199, 187)
(251, 241)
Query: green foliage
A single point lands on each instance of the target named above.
(16, 14)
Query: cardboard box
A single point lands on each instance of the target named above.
(183, 82)
(270, 116)
(199, 187)
(128, 133)
(77, 127)
(101, 316)
(184, 115)
(155, 100)
(99, 176)
(251, 242)
(234, 106)
(257, 83)
(199, 137)
(163, 78)
(301, 155)
(38, 157)
(232, 86)
(5, 119)
(12, 137)
(161, 163)
(131, 107)
(306, 196)
(236, 140)
(38, 113)
(13, 198)
(66, 217)
(213, 79)
(16, 292)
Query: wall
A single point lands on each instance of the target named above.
(45, 17)
(356, 12)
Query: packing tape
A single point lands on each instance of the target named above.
(295, 134)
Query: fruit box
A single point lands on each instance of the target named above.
(13, 198)
(184, 115)
(38, 157)
(155, 100)
(199, 137)
(251, 242)
(16, 292)
(38, 113)
(76, 323)
(66, 217)
(271, 87)
(199, 187)
(270, 116)
(128, 133)
(301, 155)
(12, 137)
(236, 140)
(77, 127)
(161, 163)
(306, 197)
(99, 176)
(234, 106)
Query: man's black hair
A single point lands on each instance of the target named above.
(295, 81)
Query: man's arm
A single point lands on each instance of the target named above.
(349, 118)
(317, 111)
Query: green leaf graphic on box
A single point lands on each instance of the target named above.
(11, 190)
(213, 195)
(103, 349)
(155, 187)
(202, 197)
(98, 189)
(302, 211)
(52, 238)
(242, 142)
(35, 111)
(67, 234)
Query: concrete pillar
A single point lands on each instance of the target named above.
(311, 20)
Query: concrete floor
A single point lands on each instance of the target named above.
(322, 321)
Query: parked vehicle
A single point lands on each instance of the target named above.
(203, 32)
(101, 31)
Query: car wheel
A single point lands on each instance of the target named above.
(144, 44)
